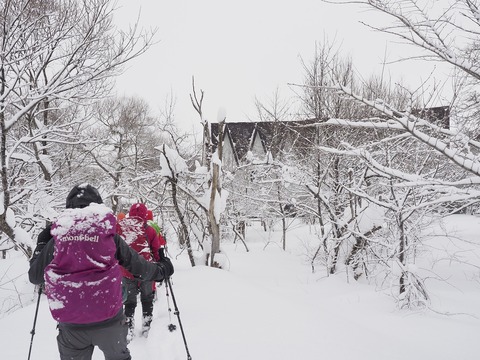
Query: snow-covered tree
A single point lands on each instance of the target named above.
(432, 163)
(54, 54)
(126, 135)
(448, 33)
(215, 196)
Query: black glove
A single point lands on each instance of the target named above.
(165, 268)
(43, 238)
(161, 253)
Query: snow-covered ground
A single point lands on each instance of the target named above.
(267, 304)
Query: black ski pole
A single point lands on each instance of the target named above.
(35, 320)
(178, 316)
(171, 326)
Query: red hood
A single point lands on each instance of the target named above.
(138, 210)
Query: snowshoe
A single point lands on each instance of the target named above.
(147, 320)
(131, 328)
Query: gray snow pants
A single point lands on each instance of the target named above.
(78, 342)
(131, 289)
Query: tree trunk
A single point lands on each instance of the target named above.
(183, 225)
(401, 255)
(216, 187)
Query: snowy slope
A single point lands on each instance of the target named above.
(268, 305)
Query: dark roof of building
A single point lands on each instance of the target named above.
(439, 115)
(294, 137)
(276, 136)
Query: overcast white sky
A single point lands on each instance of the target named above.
(239, 50)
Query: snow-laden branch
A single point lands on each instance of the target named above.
(409, 123)
(71, 139)
(445, 34)
(78, 54)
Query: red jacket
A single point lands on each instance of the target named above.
(140, 236)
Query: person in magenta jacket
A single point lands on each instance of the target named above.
(78, 259)
(145, 241)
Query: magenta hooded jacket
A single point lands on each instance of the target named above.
(83, 281)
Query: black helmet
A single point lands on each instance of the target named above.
(83, 195)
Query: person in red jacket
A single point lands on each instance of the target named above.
(143, 239)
